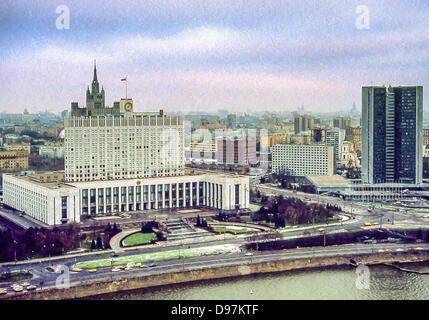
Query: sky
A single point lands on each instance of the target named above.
(200, 55)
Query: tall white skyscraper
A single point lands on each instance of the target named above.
(103, 143)
(118, 160)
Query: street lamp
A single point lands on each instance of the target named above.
(15, 243)
(324, 238)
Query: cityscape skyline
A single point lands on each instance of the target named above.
(221, 56)
(233, 151)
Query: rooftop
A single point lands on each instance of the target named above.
(329, 180)
(35, 179)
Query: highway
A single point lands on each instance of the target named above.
(49, 278)
(44, 278)
(383, 216)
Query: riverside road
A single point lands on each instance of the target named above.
(50, 279)
(45, 279)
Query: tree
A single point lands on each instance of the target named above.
(147, 227)
(93, 246)
(222, 216)
(99, 244)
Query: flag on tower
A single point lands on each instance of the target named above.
(126, 86)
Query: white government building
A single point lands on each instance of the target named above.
(118, 160)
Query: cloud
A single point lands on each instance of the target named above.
(201, 54)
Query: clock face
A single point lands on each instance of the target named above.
(128, 106)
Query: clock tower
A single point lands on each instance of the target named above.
(126, 105)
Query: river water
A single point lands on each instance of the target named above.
(342, 283)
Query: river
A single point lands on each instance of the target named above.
(330, 283)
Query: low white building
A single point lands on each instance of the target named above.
(49, 202)
(56, 203)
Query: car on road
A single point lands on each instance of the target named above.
(248, 254)
(50, 269)
(116, 270)
(144, 266)
(31, 287)
(3, 290)
(17, 288)
(388, 250)
(399, 250)
(92, 270)
(418, 249)
(128, 268)
(153, 265)
(367, 224)
(77, 269)
(24, 284)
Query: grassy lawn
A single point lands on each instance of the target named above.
(15, 276)
(157, 256)
(138, 238)
(335, 218)
(264, 223)
(234, 231)
(246, 219)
